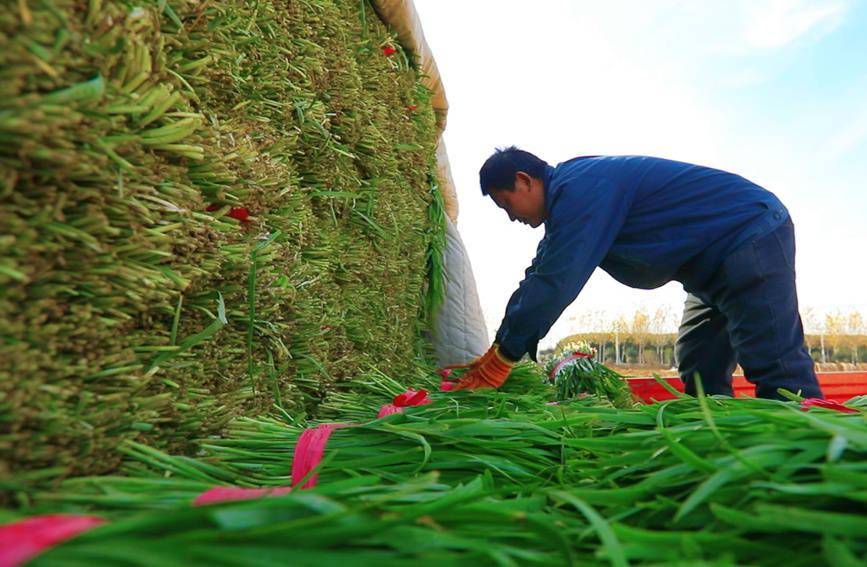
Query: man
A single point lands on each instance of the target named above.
(647, 221)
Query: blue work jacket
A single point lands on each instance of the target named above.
(644, 220)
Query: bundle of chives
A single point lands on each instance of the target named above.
(157, 157)
(686, 480)
(576, 375)
(360, 521)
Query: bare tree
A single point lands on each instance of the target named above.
(854, 330)
(640, 329)
(812, 328)
(659, 329)
(620, 328)
(835, 324)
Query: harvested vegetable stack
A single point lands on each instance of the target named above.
(208, 209)
(516, 479)
(580, 374)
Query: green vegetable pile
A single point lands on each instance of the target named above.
(209, 209)
(501, 478)
(574, 376)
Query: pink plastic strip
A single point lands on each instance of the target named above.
(23, 540)
(388, 409)
(309, 450)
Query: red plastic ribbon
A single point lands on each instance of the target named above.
(575, 355)
(233, 493)
(410, 398)
(23, 540)
(827, 404)
(446, 385)
(238, 213)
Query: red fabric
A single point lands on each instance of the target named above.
(22, 540)
(827, 404)
(412, 107)
(309, 451)
(575, 355)
(232, 493)
(388, 50)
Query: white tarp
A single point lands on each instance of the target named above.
(459, 331)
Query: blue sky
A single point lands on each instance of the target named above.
(773, 90)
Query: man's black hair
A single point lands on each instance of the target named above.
(500, 169)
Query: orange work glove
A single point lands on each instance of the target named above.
(488, 371)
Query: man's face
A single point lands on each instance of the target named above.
(525, 203)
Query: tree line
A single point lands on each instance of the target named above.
(649, 338)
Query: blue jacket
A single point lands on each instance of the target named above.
(644, 220)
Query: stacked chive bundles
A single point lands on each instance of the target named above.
(208, 210)
(501, 478)
(575, 375)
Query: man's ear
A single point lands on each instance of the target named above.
(523, 181)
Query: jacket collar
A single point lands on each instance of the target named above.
(548, 190)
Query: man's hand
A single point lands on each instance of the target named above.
(488, 371)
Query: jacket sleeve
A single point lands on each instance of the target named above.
(583, 223)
